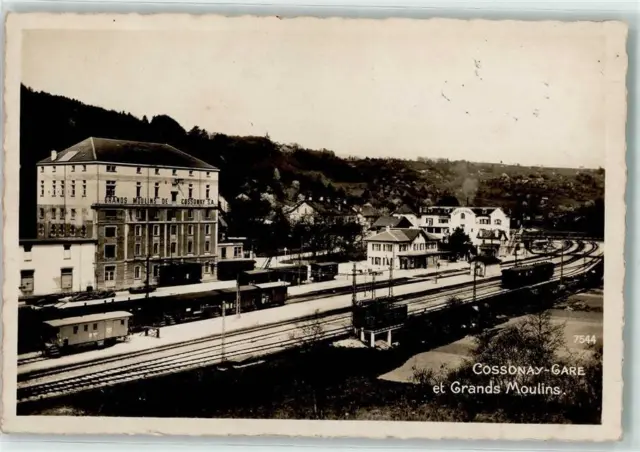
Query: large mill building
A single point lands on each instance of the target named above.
(146, 204)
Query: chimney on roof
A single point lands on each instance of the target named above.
(54, 155)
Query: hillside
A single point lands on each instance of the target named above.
(258, 175)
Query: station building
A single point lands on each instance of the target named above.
(145, 204)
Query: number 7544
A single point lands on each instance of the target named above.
(584, 339)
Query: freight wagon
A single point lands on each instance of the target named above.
(377, 315)
(293, 274)
(526, 275)
(257, 276)
(179, 274)
(229, 269)
(62, 335)
(325, 271)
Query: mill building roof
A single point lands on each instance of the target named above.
(128, 152)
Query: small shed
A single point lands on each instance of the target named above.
(485, 266)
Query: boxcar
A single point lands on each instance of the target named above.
(180, 274)
(75, 332)
(515, 277)
(293, 274)
(272, 294)
(229, 269)
(249, 298)
(257, 276)
(377, 315)
(325, 271)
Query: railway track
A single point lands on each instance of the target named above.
(424, 294)
(206, 351)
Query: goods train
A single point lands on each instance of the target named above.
(526, 275)
(146, 312)
(379, 314)
(292, 274)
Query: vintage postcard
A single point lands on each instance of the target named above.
(319, 227)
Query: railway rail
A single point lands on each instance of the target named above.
(247, 344)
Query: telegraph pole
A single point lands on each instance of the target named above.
(373, 285)
(391, 275)
(238, 296)
(561, 261)
(475, 273)
(224, 302)
(146, 295)
(354, 300)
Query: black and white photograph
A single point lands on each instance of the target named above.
(373, 228)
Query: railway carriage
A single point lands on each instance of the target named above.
(515, 277)
(230, 269)
(257, 276)
(61, 335)
(179, 274)
(325, 271)
(292, 274)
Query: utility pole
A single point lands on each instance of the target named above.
(354, 300)
(373, 285)
(238, 296)
(146, 295)
(224, 302)
(391, 273)
(561, 261)
(475, 273)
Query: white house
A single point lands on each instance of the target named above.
(52, 266)
(483, 225)
(402, 248)
(300, 211)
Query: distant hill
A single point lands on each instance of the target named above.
(269, 174)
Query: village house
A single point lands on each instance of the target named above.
(406, 212)
(336, 212)
(384, 223)
(57, 265)
(402, 248)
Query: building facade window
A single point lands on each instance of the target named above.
(189, 247)
(173, 229)
(137, 249)
(156, 230)
(190, 173)
(190, 229)
(138, 170)
(207, 192)
(110, 273)
(190, 214)
(73, 189)
(207, 229)
(157, 171)
(156, 190)
(41, 213)
(190, 191)
(207, 246)
(156, 271)
(174, 247)
(73, 168)
(66, 251)
(498, 222)
(110, 251)
(73, 214)
(111, 168)
(111, 188)
(84, 188)
(174, 172)
(156, 249)
(53, 189)
(110, 231)
(84, 168)
(136, 270)
(66, 281)
(138, 230)
(174, 196)
(41, 188)
(138, 189)
(53, 169)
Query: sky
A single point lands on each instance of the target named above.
(513, 93)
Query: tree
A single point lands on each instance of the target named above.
(448, 200)
(459, 243)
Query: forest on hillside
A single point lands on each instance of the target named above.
(258, 176)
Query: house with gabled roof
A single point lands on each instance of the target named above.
(385, 222)
(402, 248)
